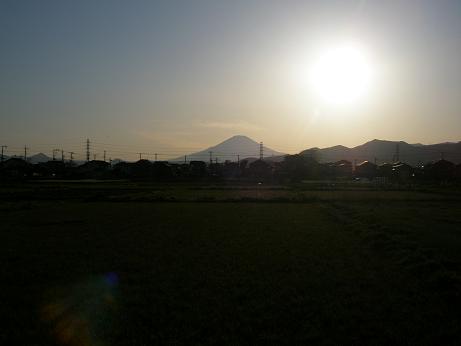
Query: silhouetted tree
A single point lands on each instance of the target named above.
(299, 167)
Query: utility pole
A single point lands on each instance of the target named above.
(71, 157)
(87, 149)
(261, 151)
(54, 154)
(185, 159)
(3, 147)
(62, 155)
(211, 160)
(155, 157)
(25, 153)
(140, 156)
(104, 156)
(238, 159)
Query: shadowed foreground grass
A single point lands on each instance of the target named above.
(137, 273)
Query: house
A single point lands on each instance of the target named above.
(162, 170)
(93, 169)
(142, 169)
(231, 170)
(402, 171)
(385, 170)
(16, 168)
(260, 169)
(458, 171)
(123, 169)
(366, 169)
(342, 169)
(197, 169)
(440, 170)
(50, 169)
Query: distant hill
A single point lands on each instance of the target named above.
(229, 149)
(115, 161)
(385, 151)
(38, 158)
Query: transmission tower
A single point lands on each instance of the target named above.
(62, 155)
(261, 151)
(25, 152)
(3, 147)
(87, 149)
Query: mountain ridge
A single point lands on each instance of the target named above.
(238, 146)
(382, 151)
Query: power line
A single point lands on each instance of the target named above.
(175, 155)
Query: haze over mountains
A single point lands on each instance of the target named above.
(37, 158)
(379, 151)
(243, 146)
(389, 151)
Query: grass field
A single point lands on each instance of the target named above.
(134, 264)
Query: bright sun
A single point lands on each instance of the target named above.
(341, 75)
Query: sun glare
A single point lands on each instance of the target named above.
(341, 75)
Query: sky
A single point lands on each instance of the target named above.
(179, 76)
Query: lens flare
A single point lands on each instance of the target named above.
(79, 314)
